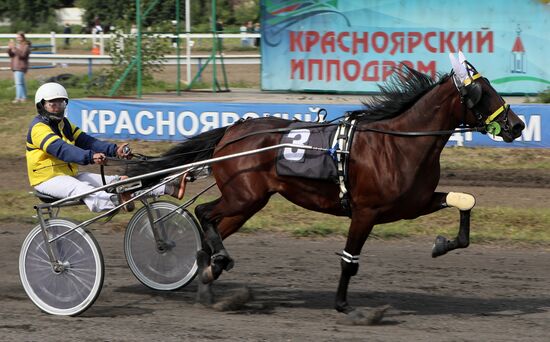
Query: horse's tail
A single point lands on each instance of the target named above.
(197, 148)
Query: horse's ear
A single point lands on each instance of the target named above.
(469, 68)
(461, 57)
(458, 67)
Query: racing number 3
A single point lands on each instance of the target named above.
(298, 137)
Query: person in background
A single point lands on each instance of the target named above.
(257, 30)
(250, 29)
(67, 30)
(219, 29)
(55, 148)
(19, 52)
(244, 40)
(96, 30)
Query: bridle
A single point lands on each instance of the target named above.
(470, 94)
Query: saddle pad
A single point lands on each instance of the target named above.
(307, 163)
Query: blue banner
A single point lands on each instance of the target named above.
(350, 46)
(176, 121)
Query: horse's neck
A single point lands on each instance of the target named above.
(435, 111)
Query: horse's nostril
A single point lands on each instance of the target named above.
(517, 128)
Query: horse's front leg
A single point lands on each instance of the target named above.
(464, 203)
(360, 228)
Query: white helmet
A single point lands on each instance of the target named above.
(50, 91)
(47, 92)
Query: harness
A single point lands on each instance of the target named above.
(340, 153)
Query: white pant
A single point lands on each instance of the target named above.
(67, 186)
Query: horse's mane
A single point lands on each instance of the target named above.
(404, 88)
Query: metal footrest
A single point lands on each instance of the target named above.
(50, 199)
(129, 187)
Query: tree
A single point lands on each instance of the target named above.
(248, 10)
(107, 11)
(112, 11)
(123, 50)
(39, 15)
(30, 15)
(230, 11)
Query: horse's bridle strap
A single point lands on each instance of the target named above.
(496, 113)
(471, 79)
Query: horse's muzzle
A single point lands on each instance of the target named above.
(513, 129)
(517, 129)
(513, 132)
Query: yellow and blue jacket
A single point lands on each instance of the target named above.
(55, 149)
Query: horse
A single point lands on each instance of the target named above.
(393, 166)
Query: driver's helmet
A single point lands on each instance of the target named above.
(50, 91)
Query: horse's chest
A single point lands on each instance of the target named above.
(420, 187)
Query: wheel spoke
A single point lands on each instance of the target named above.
(166, 270)
(75, 288)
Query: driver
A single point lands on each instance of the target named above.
(55, 146)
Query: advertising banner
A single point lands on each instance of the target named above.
(350, 46)
(176, 121)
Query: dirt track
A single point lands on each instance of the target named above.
(483, 293)
(479, 294)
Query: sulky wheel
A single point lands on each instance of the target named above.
(70, 286)
(169, 263)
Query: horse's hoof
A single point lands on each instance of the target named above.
(223, 260)
(206, 275)
(205, 270)
(230, 264)
(440, 246)
(211, 273)
(203, 259)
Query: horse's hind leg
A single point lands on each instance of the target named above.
(211, 241)
(213, 248)
(464, 203)
(219, 219)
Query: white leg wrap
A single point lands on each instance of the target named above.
(460, 200)
(353, 259)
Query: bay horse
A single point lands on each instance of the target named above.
(392, 174)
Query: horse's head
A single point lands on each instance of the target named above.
(485, 108)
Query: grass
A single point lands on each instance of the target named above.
(544, 96)
(489, 224)
(479, 158)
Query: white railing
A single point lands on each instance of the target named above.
(186, 57)
(186, 38)
(106, 59)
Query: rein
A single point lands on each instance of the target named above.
(147, 159)
(423, 133)
(364, 129)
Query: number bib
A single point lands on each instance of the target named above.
(306, 163)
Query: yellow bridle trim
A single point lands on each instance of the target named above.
(471, 79)
(495, 113)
